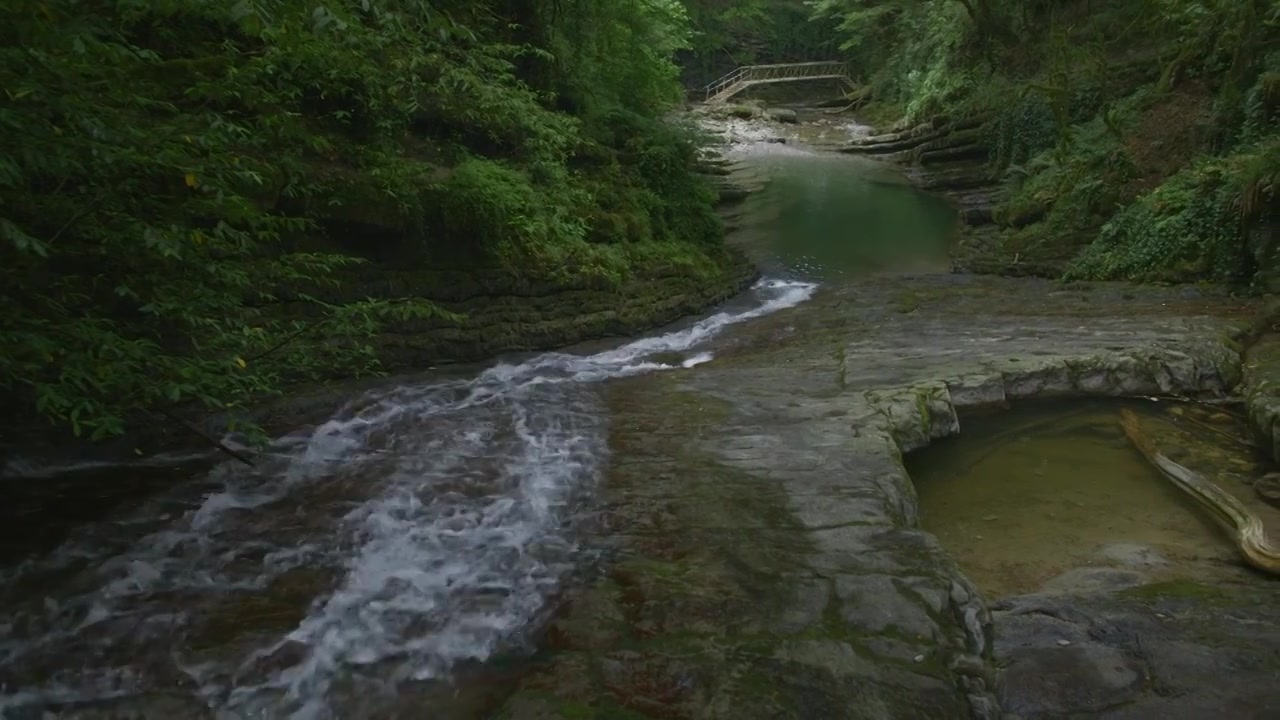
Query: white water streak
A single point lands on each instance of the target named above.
(422, 526)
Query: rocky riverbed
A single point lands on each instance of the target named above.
(755, 548)
(769, 561)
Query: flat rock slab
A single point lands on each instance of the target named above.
(764, 554)
(1168, 651)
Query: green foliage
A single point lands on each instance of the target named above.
(1147, 125)
(1065, 194)
(1186, 229)
(1195, 224)
(622, 55)
(177, 174)
(925, 56)
(1025, 128)
(729, 33)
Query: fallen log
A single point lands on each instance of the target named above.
(1247, 528)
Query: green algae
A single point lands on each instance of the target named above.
(1179, 589)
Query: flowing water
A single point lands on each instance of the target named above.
(422, 528)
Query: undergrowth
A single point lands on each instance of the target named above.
(1139, 136)
(173, 170)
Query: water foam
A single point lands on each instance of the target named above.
(420, 527)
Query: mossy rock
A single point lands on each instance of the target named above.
(499, 311)
(1178, 590)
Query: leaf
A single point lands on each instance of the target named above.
(241, 363)
(191, 180)
(21, 240)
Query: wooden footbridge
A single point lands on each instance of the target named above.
(751, 75)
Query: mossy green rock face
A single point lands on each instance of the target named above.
(502, 311)
(1262, 392)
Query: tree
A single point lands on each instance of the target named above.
(180, 177)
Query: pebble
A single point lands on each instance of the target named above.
(991, 518)
(918, 658)
(1064, 643)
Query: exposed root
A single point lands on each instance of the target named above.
(1250, 535)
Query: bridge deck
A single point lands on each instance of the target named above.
(793, 79)
(751, 75)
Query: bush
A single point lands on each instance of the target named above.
(173, 160)
(1186, 229)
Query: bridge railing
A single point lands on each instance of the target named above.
(780, 71)
(726, 81)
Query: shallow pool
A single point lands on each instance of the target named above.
(1021, 497)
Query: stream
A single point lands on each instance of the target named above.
(834, 218)
(424, 527)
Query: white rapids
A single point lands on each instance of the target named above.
(421, 527)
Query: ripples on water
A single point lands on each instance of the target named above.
(418, 528)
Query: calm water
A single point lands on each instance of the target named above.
(832, 218)
(1020, 497)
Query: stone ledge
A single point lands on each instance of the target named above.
(923, 412)
(915, 415)
(1261, 390)
(818, 563)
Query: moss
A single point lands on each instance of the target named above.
(604, 711)
(880, 114)
(1231, 342)
(906, 301)
(1178, 590)
(501, 311)
(922, 407)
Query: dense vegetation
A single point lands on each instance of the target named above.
(730, 33)
(184, 183)
(193, 193)
(1143, 131)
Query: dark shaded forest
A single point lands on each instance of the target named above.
(196, 194)
(1136, 137)
(191, 189)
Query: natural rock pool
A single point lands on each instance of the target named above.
(1031, 498)
(713, 522)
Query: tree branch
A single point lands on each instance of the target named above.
(196, 429)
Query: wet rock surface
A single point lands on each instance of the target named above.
(763, 556)
(766, 560)
(1262, 389)
(1112, 593)
(1169, 650)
